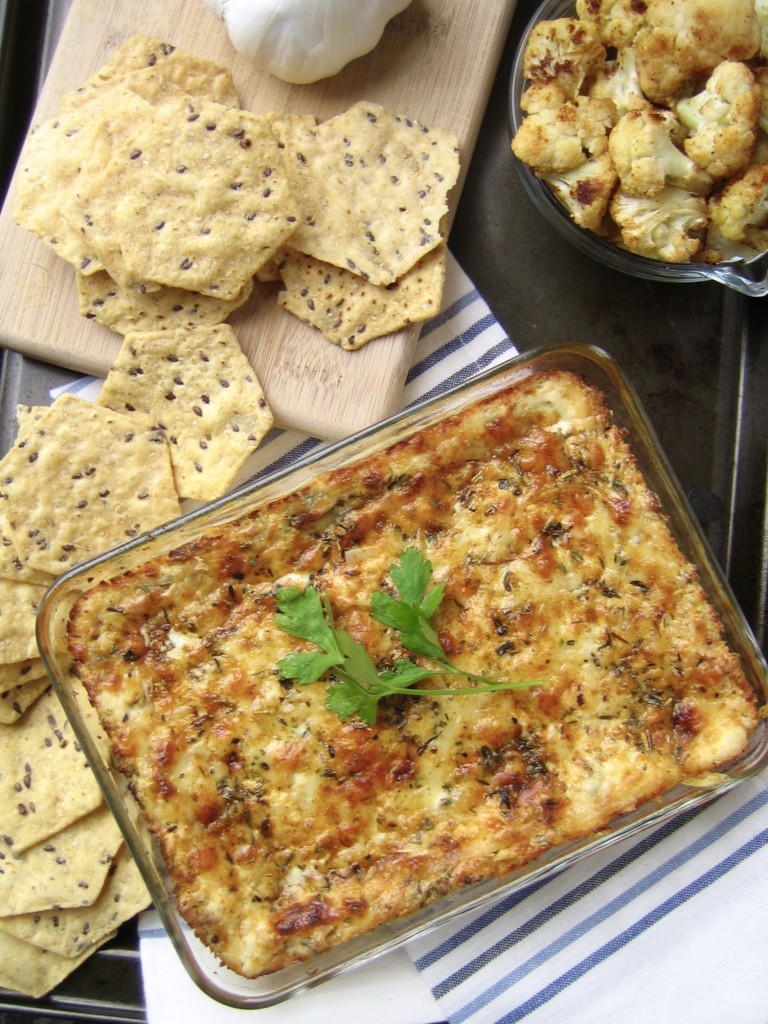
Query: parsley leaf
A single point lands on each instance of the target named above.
(357, 685)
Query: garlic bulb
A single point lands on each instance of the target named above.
(302, 41)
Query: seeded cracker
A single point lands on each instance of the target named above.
(198, 388)
(137, 53)
(18, 610)
(129, 309)
(71, 931)
(154, 70)
(84, 480)
(48, 168)
(64, 870)
(33, 971)
(194, 196)
(347, 309)
(56, 151)
(17, 673)
(11, 566)
(373, 188)
(17, 699)
(36, 754)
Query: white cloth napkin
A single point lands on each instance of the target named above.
(669, 927)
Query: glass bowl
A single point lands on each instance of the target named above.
(749, 277)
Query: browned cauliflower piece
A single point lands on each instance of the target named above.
(719, 249)
(559, 134)
(646, 157)
(565, 50)
(739, 210)
(722, 120)
(617, 21)
(618, 81)
(668, 226)
(585, 191)
(681, 40)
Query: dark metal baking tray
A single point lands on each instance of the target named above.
(696, 353)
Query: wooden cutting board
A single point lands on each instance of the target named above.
(436, 63)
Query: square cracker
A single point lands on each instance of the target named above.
(143, 73)
(372, 186)
(15, 700)
(48, 169)
(198, 388)
(155, 69)
(18, 612)
(32, 971)
(350, 311)
(16, 673)
(193, 195)
(11, 565)
(71, 931)
(37, 754)
(134, 309)
(68, 869)
(85, 479)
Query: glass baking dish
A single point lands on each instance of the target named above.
(226, 986)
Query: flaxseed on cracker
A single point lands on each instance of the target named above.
(198, 389)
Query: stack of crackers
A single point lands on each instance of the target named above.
(170, 201)
(177, 415)
(172, 204)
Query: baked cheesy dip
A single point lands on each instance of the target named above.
(288, 829)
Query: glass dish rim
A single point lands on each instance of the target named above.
(598, 367)
(750, 279)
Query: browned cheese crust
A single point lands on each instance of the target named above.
(287, 830)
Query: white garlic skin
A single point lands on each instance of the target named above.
(302, 41)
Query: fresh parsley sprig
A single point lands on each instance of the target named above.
(358, 685)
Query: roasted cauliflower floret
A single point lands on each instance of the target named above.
(719, 249)
(618, 81)
(617, 21)
(722, 120)
(586, 190)
(740, 209)
(668, 226)
(565, 50)
(559, 134)
(646, 158)
(681, 40)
